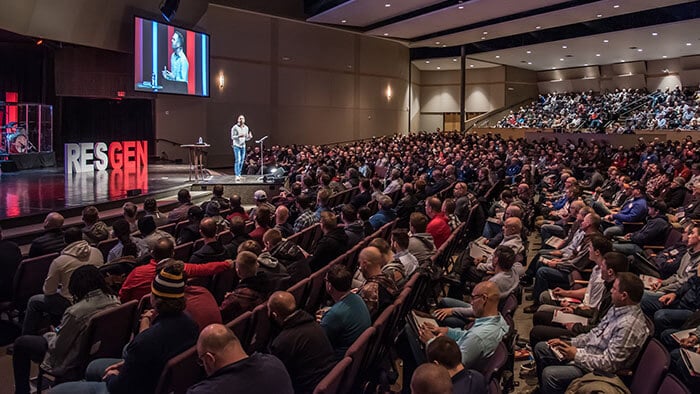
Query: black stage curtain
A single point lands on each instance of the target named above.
(105, 120)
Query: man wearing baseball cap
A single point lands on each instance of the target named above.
(260, 198)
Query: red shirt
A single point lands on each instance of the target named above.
(201, 306)
(439, 229)
(138, 283)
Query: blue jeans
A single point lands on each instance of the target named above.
(453, 321)
(53, 305)
(650, 302)
(547, 230)
(666, 319)
(548, 278)
(239, 157)
(93, 376)
(627, 248)
(554, 375)
(600, 208)
(617, 230)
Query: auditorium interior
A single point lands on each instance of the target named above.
(429, 196)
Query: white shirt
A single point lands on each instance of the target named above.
(240, 134)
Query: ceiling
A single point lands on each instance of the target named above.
(500, 31)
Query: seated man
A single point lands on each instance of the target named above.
(212, 250)
(302, 346)
(385, 214)
(653, 233)
(613, 345)
(421, 243)
(399, 244)
(378, 291)
(137, 284)
(333, 242)
(445, 352)
(633, 210)
(52, 239)
(122, 231)
(190, 232)
(182, 210)
(251, 291)
(159, 339)
(437, 227)
(556, 271)
(229, 367)
(56, 297)
(607, 269)
(282, 223)
(349, 317)
(151, 234)
(455, 313)
(512, 230)
(12, 257)
(481, 340)
(678, 305)
(95, 230)
(678, 366)
(689, 263)
(431, 379)
(63, 357)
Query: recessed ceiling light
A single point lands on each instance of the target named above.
(622, 60)
(286, 58)
(599, 16)
(529, 62)
(387, 5)
(443, 45)
(461, 7)
(561, 60)
(343, 21)
(664, 56)
(438, 67)
(437, 42)
(688, 44)
(564, 47)
(528, 52)
(471, 65)
(639, 49)
(498, 56)
(386, 34)
(454, 60)
(616, 6)
(483, 38)
(606, 41)
(585, 64)
(485, 33)
(597, 54)
(538, 27)
(554, 68)
(654, 34)
(427, 62)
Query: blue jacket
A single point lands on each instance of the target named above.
(381, 218)
(632, 211)
(688, 296)
(653, 233)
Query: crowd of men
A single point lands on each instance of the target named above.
(601, 208)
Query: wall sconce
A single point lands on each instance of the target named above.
(221, 81)
(388, 92)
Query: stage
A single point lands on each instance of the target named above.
(34, 193)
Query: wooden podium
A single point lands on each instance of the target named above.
(196, 151)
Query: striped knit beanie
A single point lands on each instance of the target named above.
(169, 283)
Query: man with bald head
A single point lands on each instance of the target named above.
(212, 250)
(52, 240)
(229, 367)
(378, 291)
(282, 221)
(302, 345)
(431, 379)
(480, 341)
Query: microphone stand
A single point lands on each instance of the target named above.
(262, 157)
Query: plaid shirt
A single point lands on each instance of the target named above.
(453, 221)
(615, 343)
(306, 219)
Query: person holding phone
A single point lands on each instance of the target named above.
(240, 133)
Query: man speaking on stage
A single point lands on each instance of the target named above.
(240, 133)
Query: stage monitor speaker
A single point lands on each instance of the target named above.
(168, 8)
(133, 192)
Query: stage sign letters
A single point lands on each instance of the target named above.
(98, 156)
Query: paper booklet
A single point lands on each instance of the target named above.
(560, 298)
(418, 318)
(691, 361)
(649, 280)
(555, 242)
(682, 334)
(477, 251)
(563, 318)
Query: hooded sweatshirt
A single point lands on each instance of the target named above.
(422, 246)
(96, 233)
(74, 256)
(330, 246)
(355, 232)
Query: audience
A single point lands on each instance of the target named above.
(444, 352)
(12, 257)
(94, 230)
(183, 209)
(52, 239)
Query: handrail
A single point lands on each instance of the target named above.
(494, 112)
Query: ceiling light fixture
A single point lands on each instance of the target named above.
(343, 21)
(498, 56)
(443, 45)
(438, 67)
(585, 64)
(639, 49)
(664, 56)
(622, 60)
(561, 60)
(616, 6)
(437, 42)
(471, 65)
(538, 27)
(427, 62)
(606, 41)
(461, 7)
(454, 60)
(483, 38)
(654, 34)
(387, 5)
(597, 54)
(528, 52)
(688, 44)
(599, 16)
(564, 47)
(386, 34)
(554, 68)
(485, 33)
(529, 63)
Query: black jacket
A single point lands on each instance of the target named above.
(11, 257)
(361, 199)
(305, 351)
(189, 233)
(355, 232)
(213, 251)
(405, 207)
(50, 242)
(675, 196)
(329, 247)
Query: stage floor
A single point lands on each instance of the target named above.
(44, 190)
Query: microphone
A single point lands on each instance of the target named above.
(261, 140)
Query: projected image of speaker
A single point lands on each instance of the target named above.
(170, 59)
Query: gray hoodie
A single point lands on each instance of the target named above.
(75, 255)
(422, 246)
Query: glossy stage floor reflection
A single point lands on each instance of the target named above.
(44, 190)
